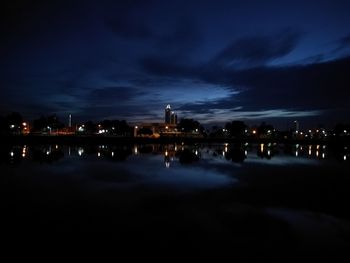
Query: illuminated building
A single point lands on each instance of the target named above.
(168, 114)
(173, 118)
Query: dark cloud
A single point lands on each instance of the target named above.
(113, 95)
(129, 19)
(345, 40)
(257, 50)
(165, 66)
(180, 41)
(343, 43)
(231, 103)
(106, 58)
(128, 28)
(318, 86)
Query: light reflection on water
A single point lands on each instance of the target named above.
(193, 166)
(225, 186)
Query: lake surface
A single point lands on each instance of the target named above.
(208, 198)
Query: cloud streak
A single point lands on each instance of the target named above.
(257, 50)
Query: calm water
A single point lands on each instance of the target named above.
(264, 195)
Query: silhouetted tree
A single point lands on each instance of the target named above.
(190, 125)
(90, 127)
(47, 123)
(340, 128)
(265, 129)
(236, 129)
(217, 132)
(121, 128)
(12, 123)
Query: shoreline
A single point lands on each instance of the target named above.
(93, 139)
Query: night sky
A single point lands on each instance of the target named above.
(213, 61)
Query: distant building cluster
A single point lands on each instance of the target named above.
(170, 116)
(155, 129)
(15, 124)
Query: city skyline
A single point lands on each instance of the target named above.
(215, 62)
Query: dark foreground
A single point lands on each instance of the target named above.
(282, 213)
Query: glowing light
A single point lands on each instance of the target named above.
(226, 149)
(166, 127)
(262, 147)
(166, 153)
(24, 151)
(310, 150)
(12, 126)
(317, 147)
(47, 153)
(12, 154)
(196, 152)
(56, 146)
(296, 153)
(344, 157)
(80, 151)
(323, 155)
(254, 131)
(136, 127)
(24, 124)
(112, 154)
(98, 154)
(167, 164)
(268, 152)
(135, 150)
(345, 131)
(317, 153)
(245, 153)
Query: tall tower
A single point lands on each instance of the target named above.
(70, 121)
(173, 118)
(296, 126)
(168, 114)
